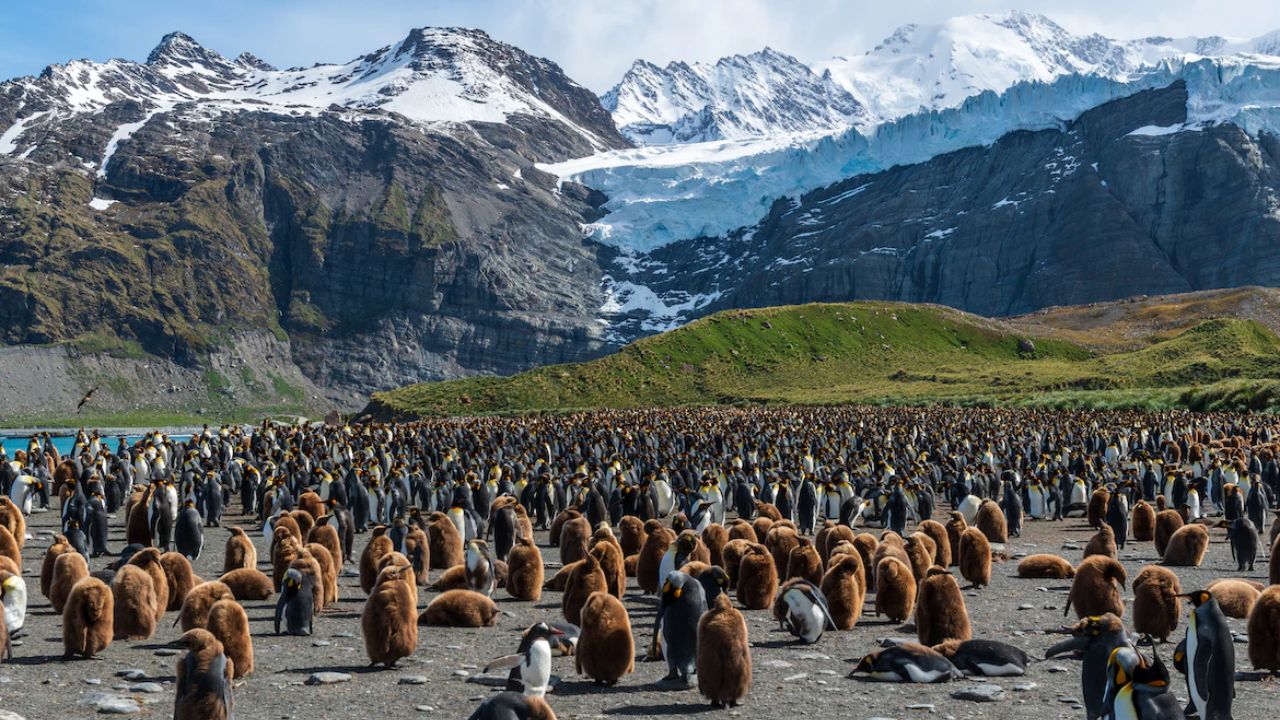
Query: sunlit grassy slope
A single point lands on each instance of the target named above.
(885, 353)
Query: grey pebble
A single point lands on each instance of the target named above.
(984, 692)
(146, 687)
(327, 678)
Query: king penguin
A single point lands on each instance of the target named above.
(1210, 658)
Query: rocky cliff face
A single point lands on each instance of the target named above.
(389, 237)
(1123, 201)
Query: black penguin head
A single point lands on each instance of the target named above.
(866, 664)
(541, 631)
(1199, 597)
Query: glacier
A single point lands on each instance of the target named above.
(661, 194)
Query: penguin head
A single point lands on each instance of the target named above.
(1199, 597)
(866, 664)
(541, 631)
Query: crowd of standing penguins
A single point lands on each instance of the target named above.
(813, 514)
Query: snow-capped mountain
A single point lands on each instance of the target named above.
(736, 97)
(434, 76)
(917, 68)
(926, 67)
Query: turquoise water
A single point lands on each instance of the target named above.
(64, 443)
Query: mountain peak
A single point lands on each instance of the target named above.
(179, 48)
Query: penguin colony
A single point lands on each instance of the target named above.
(677, 533)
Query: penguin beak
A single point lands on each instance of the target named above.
(1069, 645)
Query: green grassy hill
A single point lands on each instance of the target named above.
(883, 353)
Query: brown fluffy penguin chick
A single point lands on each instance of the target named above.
(584, 580)
(609, 556)
(1187, 546)
(940, 610)
(768, 511)
(1097, 508)
(920, 552)
(135, 604)
(941, 541)
(149, 559)
(239, 551)
(556, 530)
(57, 548)
(312, 504)
(443, 542)
(68, 569)
(1274, 570)
(975, 558)
(284, 552)
(137, 530)
(650, 562)
(204, 678)
(606, 649)
(460, 608)
(395, 559)
(328, 571)
(195, 609)
(781, 540)
(379, 546)
(740, 529)
(248, 584)
(731, 554)
(11, 519)
(724, 654)
(1143, 522)
(390, 619)
(757, 578)
(895, 589)
(9, 547)
(838, 534)
(1102, 543)
(1096, 588)
(990, 520)
(714, 537)
(451, 579)
(631, 535)
(574, 537)
(88, 619)
(524, 570)
(560, 580)
(955, 527)
(867, 546)
(1235, 597)
(309, 566)
(1046, 566)
(1167, 523)
(416, 548)
(288, 522)
(1263, 629)
(805, 563)
(844, 586)
(180, 577)
(305, 521)
(1156, 605)
(327, 535)
(230, 625)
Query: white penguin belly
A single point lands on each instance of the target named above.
(921, 675)
(535, 671)
(1004, 670)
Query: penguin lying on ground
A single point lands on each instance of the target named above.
(990, 658)
(907, 663)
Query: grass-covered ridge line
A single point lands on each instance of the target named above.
(880, 353)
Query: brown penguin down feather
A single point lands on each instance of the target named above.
(1187, 546)
(180, 577)
(239, 552)
(1045, 566)
(606, 648)
(941, 614)
(895, 589)
(460, 608)
(1156, 605)
(724, 654)
(585, 579)
(991, 522)
(1167, 523)
(844, 586)
(574, 537)
(389, 621)
(650, 561)
(524, 571)
(149, 559)
(230, 625)
(805, 563)
(88, 619)
(1263, 629)
(941, 541)
(975, 557)
(609, 556)
(1235, 597)
(248, 584)
(1096, 587)
(757, 578)
(378, 546)
(135, 604)
(1102, 543)
(68, 569)
(59, 547)
(195, 609)
(1143, 522)
(732, 554)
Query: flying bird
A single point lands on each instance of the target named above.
(85, 399)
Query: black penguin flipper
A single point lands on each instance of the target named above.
(817, 598)
(218, 674)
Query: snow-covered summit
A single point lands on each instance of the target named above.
(434, 75)
(736, 97)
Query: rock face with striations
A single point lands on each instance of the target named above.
(383, 218)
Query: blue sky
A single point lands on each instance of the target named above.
(594, 40)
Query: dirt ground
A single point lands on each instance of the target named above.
(788, 678)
